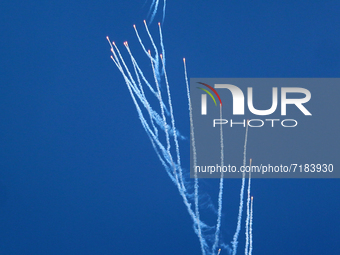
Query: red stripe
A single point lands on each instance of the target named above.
(213, 90)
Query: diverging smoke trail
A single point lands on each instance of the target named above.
(137, 93)
(154, 120)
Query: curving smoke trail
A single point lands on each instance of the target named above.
(154, 121)
(158, 120)
(153, 10)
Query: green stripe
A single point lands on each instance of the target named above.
(209, 94)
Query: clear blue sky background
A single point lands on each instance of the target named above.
(77, 172)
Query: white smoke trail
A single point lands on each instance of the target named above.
(132, 88)
(162, 109)
(145, 102)
(248, 212)
(140, 41)
(145, 125)
(155, 7)
(251, 227)
(164, 5)
(162, 152)
(132, 85)
(240, 210)
(162, 44)
(153, 10)
(193, 145)
(173, 125)
(135, 65)
(220, 194)
(174, 170)
(156, 58)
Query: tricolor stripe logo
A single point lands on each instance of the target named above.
(204, 97)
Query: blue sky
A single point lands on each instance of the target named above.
(78, 174)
